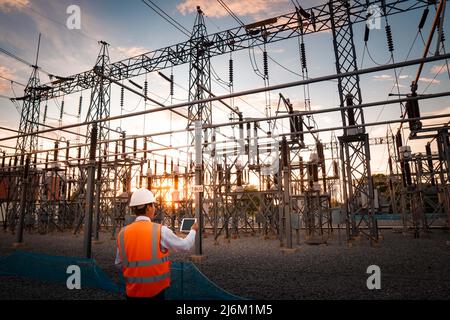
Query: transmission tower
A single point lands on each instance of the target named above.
(199, 72)
(199, 114)
(354, 144)
(99, 106)
(29, 118)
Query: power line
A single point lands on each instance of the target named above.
(77, 31)
(215, 24)
(434, 78)
(231, 13)
(280, 65)
(4, 97)
(12, 81)
(169, 17)
(166, 17)
(284, 67)
(13, 56)
(398, 76)
(373, 60)
(218, 106)
(221, 82)
(54, 21)
(254, 63)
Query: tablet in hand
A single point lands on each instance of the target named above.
(186, 224)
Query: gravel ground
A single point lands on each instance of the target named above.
(256, 268)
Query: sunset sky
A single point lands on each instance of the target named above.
(131, 28)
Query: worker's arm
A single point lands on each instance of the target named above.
(118, 261)
(172, 242)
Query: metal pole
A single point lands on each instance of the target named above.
(98, 185)
(444, 160)
(90, 194)
(430, 38)
(370, 198)
(23, 201)
(254, 120)
(198, 182)
(441, 25)
(280, 197)
(286, 185)
(344, 206)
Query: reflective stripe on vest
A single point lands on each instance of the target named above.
(142, 263)
(147, 279)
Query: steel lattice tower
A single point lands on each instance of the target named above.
(99, 106)
(199, 86)
(29, 118)
(355, 151)
(199, 72)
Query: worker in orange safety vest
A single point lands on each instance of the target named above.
(143, 250)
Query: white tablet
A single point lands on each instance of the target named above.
(186, 224)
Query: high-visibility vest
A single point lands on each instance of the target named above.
(146, 268)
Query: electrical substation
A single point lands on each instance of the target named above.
(277, 175)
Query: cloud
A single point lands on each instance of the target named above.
(6, 72)
(438, 69)
(57, 40)
(278, 50)
(270, 51)
(383, 77)
(433, 81)
(3, 87)
(4, 84)
(132, 51)
(239, 7)
(440, 111)
(10, 5)
(387, 77)
(436, 121)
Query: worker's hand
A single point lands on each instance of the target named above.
(195, 227)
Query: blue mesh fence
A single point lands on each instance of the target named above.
(187, 283)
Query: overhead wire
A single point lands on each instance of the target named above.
(166, 17)
(397, 76)
(231, 13)
(286, 68)
(12, 81)
(4, 97)
(434, 78)
(251, 52)
(221, 82)
(438, 71)
(210, 20)
(253, 62)
(77, 31)
(74, 31)
(373, 59)
(17, 58)
(404, 114)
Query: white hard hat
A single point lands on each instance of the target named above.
(140, 197)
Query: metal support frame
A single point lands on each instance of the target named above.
(224, 205)
(355, 153)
